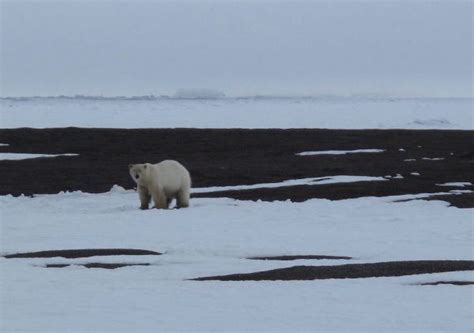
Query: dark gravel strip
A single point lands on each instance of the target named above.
(219, 157)
(303, 257)
(81, 253)
(350, 271)
(98, 265)
(454, 283)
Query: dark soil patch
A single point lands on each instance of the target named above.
(340, 191)
(218, 157)
(465, 200)
(455, 283)
(350, 271)
(97, 265)
(81, 253)
(304, 257)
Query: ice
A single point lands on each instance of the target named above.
(249, 112)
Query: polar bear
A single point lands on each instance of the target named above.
(163, 182)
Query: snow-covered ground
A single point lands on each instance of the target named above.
(267, 112)
(214, 236)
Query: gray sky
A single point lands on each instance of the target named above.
(411, 48)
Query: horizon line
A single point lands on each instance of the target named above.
(221, 96)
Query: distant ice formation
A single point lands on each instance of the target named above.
(198, 94)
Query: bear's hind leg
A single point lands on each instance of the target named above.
(145, 197)
(182, 200)
(161, 202)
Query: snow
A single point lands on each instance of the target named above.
(4, 144)
(248, 112)
(218, 225)
(292, 182)
(23, 156)
(414, 173)
(213, 237)
(457, 184)
(340, 152)
(432, 158)
(397, 176)
(136, 299)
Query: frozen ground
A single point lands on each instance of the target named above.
(214, 236)
(263, 112)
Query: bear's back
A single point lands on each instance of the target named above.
(172, 174)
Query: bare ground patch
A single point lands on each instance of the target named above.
(81, 253)
(350, 271)
(299, 257)
(220, 157)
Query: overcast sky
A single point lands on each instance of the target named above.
(414, 48)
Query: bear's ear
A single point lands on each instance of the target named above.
(130, 166)
(144, 167)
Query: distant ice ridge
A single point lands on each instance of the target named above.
(204, 109)
(198, 94)
(204, 94)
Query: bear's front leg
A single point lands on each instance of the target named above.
(160, 200)
(145, 197)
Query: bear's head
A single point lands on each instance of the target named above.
(138, 172)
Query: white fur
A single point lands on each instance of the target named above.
(163, 182)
